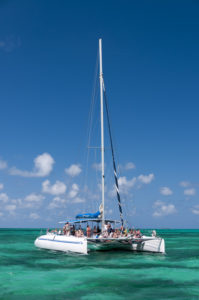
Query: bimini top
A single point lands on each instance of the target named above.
(88, 220)
(88, 215)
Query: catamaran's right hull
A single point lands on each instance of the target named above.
(155, 245)
(144, 244)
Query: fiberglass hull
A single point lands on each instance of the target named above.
(62, 243)
(144, 244)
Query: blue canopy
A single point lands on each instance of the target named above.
(88, 216)
(88, 220)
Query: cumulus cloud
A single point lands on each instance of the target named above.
(34, 198)
(190, 192)
(124, 185)
(162, 209)
(128, 166)
(57, 188)
(78, 200)
(43, 165)
(166, 191)
(57, 202)
(34, 216)
(3, 164)
(195, 210)
(74, 191)
(185, 183)
(11, 208)
(146, 179)
(97, 166)
(73, 170)
(1, 186)
(4, 197)
(123, 181)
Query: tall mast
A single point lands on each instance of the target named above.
(102, 125)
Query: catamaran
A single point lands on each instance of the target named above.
(103, 239)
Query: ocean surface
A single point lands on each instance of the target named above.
(30, 273)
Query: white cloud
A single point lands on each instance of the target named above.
(43, 165)
(73, 170)
(74, 191)
(184, 183)
(125, 185)
(1, 186)
(34, 216)
(78, 200)
(123, 181)
(4, 197)
(166, 191)
(162, 209)
(57, 202)
(57, 188)
(11, 208)
(17, 201)
(1, 214)
(53, 205)
(97, 166)
(195, 210)
(3, 164)
(129, 166)
(146, 179)
(34, 198)
(190, 192)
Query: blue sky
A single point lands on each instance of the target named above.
(48, 53)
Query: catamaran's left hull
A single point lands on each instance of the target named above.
(62, 243)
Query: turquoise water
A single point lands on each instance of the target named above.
(30, 273)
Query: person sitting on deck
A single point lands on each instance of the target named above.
(114, 234)
(98, 229)
(66, 229)
(88, 231)
(79, 233)
(109, 229)
(94, 230)
(73, 230)
(138, 234)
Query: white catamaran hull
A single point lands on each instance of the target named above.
(144, 244)
(149, 244)
(62, 243)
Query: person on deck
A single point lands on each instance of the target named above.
(98, 229)
(94, 230)
(67, 229)
(88, 231)
(109, 229)
(138, 234)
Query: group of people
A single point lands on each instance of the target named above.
(118, 233)
(95, 232)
